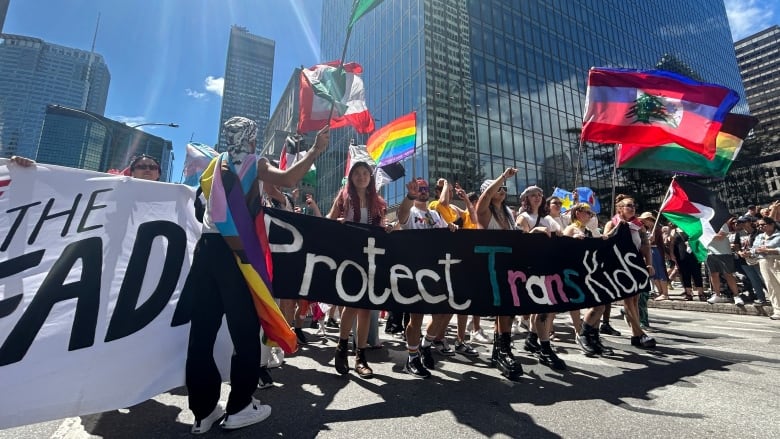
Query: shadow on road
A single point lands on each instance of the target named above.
(480, 400)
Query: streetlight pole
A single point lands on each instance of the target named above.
(172, 125)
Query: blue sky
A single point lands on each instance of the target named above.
(167, 57)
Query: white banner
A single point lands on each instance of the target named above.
(91, 267)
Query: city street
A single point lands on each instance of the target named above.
(710, 376)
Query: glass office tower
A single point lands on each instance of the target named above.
(84, 140)
(34, 74)
(249, 72)
(499, 83)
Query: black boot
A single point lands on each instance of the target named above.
(505, 360)
(494, 353)
(585, 340)
(341, 360)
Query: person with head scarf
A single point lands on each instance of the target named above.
(216, 286)
(359, 202)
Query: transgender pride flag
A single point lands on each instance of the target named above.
(654, 107)
(198, 158)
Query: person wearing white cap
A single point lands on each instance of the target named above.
(533, 219)
(494, 214)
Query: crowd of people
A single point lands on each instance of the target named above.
(745, 252)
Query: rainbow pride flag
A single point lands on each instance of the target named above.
(394, 141)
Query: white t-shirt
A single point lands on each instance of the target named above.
(531, 218)
(423, 219)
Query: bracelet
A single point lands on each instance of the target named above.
(410, 197)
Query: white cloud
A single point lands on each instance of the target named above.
(130, 120)
(747, 17)
(214, 85)
(194, 93)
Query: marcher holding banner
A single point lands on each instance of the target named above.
(358, 201)
(217, 285)
(494, 214)
(626, 207)
(533, 218)
(587, 336)
(414, 214)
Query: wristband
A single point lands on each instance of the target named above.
(410, 197)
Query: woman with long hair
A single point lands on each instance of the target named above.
(358, 201)
(626, 208)
(533, 219)
(588, 333)
(494, 214)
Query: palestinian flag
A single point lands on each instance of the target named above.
(696, 211)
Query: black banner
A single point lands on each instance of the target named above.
(483, 272)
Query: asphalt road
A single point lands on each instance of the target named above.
(710, 376)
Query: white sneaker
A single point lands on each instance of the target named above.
(251, 414)
(479, 336)
(738, 301)
(277, 357)
(204, 425)
(717, 298)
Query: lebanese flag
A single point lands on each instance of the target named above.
(697, 211)
(654, 107)
(327, 86)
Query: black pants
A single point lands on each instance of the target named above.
(217, 287)
(690, 270)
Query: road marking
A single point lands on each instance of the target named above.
(771, 331)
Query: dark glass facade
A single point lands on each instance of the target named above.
(249, 72)
(499, 83)
(34, 74)
(80, 139)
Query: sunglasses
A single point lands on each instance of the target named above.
(423, 189)
(555, 203)
(502, 188)
(146, 167)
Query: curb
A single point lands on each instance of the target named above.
(677, 303)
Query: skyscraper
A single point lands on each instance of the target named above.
(755, 176)
(248, 76)
(3, 11)
(34, 74)
(85, 140)
(500, 83)
(759, 62)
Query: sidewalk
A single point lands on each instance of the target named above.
(676, 302)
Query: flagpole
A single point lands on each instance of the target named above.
(343, 54)
(414, 152)
(663, 203)
(579, 166)
(614, 181)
